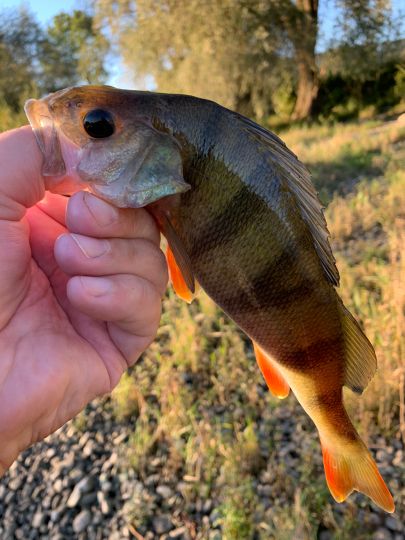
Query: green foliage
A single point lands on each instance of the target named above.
(10, 119)
(20, 39)
(344, 96)
(72, 52)
(399, 88)
(125, 398)
(237, 511)
(36, 60)
(365, 45)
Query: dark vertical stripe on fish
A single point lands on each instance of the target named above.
(227, 224)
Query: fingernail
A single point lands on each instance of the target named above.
(91, 247)
(103, 213)
(96, 286)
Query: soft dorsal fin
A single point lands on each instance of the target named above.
(274, 379)
(360, 359)
(299, 183)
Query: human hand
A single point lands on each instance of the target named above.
(81, 284)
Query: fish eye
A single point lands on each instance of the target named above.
(99, 124)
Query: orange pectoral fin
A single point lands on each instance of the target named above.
(275, 381)
(177, 279)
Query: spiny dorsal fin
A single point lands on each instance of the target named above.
(360, 359)
(299, 183)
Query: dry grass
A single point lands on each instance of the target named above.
(368, 230)
(367, 223)
(340, 156)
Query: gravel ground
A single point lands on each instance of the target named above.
(71, 486)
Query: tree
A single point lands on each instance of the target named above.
(233, 51)
(72, 52)
(35, 61)
(298, 21)
(20, 36)
(367, 38)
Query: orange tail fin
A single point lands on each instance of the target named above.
(355, 470)
(176, 277)
(271, 374)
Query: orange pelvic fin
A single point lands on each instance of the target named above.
(355, 470)
(275, 381)
(177, 279)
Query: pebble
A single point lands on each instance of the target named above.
(106, 486)
(50, 453)
(207, 506)
(38, 520)
(89, 448)
(374, 520)
(14, 484)
(56, 514)
(179, 533)
(88, 499)
(74, 498)
(81, 521)
(162, 524)
(393, 524)
(382, 534)
(398, 459)
(325, 535)
(105, 505)
(121, 438)
(164, 491)
(58, 485)
(85, 485)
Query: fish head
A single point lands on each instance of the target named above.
(101, 139)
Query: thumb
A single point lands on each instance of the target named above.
(21, 186)
(21, 182)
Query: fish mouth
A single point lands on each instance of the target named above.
(46, 134)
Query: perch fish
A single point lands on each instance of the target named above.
(243, 220)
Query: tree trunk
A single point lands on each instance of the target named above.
(304, 35)
(307, 88)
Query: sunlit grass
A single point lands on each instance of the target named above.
(341, 155)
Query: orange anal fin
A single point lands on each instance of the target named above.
(275, 381)
(355, 470)
(176, 277)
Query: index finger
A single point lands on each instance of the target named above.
(89, 215)
(21, 181)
